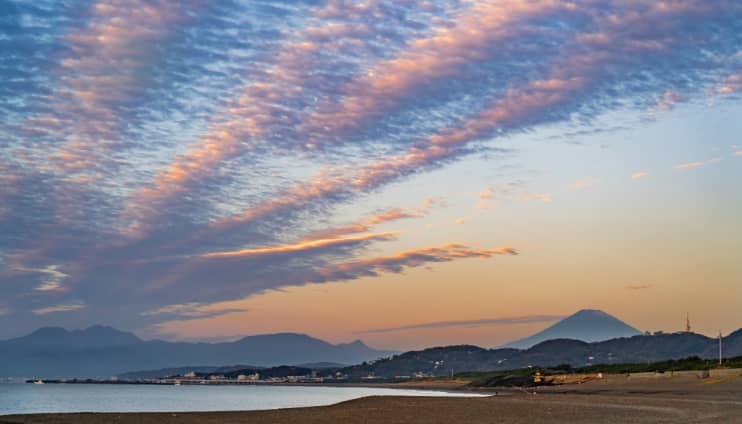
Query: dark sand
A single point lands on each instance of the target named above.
(681, 398)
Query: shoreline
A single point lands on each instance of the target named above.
(542, 408)
(639, 398)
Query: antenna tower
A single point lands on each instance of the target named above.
(721, 357)
(687, 322)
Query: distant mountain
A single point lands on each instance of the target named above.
(587, 325)
(104, 351)
(95, 336)
(441, 361)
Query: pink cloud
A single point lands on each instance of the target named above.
(444, 53)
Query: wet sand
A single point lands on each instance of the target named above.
(678, 398)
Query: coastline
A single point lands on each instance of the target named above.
(549, 408)
(644, 398)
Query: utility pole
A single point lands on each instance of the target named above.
(720, 351)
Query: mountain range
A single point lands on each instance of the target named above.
(100, 351)
(586, 337)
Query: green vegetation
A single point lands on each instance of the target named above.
(524, 376)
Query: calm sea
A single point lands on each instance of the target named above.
(30, 398)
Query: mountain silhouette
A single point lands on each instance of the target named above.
(587, 325)
(100, 351)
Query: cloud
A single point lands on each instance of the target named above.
(691, 165)
(738, 153)
(66, 307)
(460, 222)
(407, 259)
(485, 199)
(639, 175)
(389, 215)
(581, 184)
(730, 84)
(297, 247)
(193, 310)
(639, 286)
(487, 193)
(447, 52)
(542, 197)
(102, 72)
(271, 101)
(141, 140)
(669, 99)
(51, 279)
(469, 323)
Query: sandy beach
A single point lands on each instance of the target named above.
(639, 398)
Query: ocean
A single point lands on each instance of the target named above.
(32, 398)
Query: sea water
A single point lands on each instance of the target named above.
(37, 398)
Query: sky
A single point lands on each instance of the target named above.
(410, 173)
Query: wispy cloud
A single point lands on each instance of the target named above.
(66, 307)
(193, 310)
(692, 165)
(366, 224)
(297, 247)
(639, 286)
(639, 175)
(469, 323)
(409, 259)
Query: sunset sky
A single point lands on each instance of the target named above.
(406, 172)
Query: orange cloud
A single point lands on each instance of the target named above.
(639, 175)
(297, 247)
(691, 165)
(738, 153)
(487, 193)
